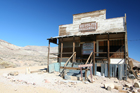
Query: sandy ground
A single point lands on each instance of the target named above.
(42, 82)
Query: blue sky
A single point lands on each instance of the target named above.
(31, 22)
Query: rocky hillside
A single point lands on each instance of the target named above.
(135, 62)
(28, 55)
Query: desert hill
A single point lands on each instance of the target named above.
(28, 55)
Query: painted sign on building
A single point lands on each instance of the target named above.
(87, 48)
(88, 26)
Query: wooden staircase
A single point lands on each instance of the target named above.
(72, 68)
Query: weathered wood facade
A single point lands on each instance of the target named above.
(94, 39)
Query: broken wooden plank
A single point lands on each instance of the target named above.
(86, 65)
(74, 68)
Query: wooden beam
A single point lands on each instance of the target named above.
(126, 44)
(108, 56)
(69, 59)
(93, 57)
(48, 56)
(85, 74)
(101, 52)
(81, 74)
(61, 50)
(67, 53)
(89, 57)
(73, 68)
(73, 49)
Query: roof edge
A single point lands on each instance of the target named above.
(90, 12)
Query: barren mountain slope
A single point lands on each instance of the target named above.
(135, 62)
(32, 55)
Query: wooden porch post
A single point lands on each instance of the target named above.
(48, 56)
(126, 44)
(61, 50)
(94, 57)
(73, 49)
(108, 56)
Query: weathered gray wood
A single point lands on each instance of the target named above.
(85, 65)
(85, 74)
(102, 69)
(125, 71)
(110, 70)
(120, 71)
(95, 68)
(73, 49)
(126, 44)
(70, 58)
(48, 56)
(93, 57)
(61, 49)
(73, 68)
(106, 70)
(91, 75)
(81, 74)
(89, 57)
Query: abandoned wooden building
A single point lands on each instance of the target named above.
(93, 39)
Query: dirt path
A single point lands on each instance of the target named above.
(41, 82)
(13, 88)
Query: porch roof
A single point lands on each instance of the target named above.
(82, 34)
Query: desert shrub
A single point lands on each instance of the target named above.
(4, 64)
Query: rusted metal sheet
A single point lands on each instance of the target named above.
(120, 72)
(95, 68)
(92, 26)
(87, 65)
(106, 70)
(102, 69)
(110, 70)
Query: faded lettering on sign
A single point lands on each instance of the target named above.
(87, 48)
(88, 26)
